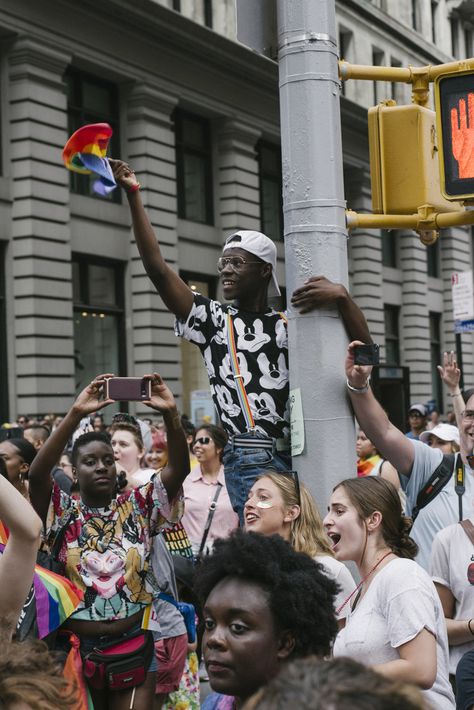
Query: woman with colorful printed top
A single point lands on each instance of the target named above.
(107, 543)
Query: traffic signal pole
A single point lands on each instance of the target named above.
(315, 235)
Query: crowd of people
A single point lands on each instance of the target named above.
(184, 551)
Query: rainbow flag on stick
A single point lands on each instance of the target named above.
(86, 151)
(56, 598)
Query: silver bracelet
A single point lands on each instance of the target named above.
(359, 390)
(454, 394)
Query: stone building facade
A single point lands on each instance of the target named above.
(196, 113)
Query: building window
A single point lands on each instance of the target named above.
(345, 37)
(208, 13)
(378, 59)
(92, 100)
(390, 248)
(194, 377)
(415, 15)
(468, 42)
(435, 347)
(454, 23)
(433, 260)
(392, 334)
(434, 19)
(4, 415)
(177, 5)
(194, 167)
(99, 334)
(271, 200)
(395, 88)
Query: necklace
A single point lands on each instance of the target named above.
(338, 611)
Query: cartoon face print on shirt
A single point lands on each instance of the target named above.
(263, 407)
(226, 374)
(226, 404)
(196, 319)
(218, 319)
(104, 571)
(274, 373)
(281, 332)
(250, 337)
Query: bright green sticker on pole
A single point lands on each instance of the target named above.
(297, 423)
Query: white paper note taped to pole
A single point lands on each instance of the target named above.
(296, 422)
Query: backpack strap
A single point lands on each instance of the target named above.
(435, 483)
(468, 528)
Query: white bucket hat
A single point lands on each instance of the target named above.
(445, 432)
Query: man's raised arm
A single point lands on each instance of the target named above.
(176, 295)
(392, 444)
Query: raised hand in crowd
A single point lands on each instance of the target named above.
(451, 376)
(19, 555)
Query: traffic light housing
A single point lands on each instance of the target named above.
(404, 160)
(454, 102)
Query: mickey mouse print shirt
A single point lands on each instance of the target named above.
(262, 349)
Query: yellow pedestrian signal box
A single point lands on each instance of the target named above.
(454, 102)
(404, 164)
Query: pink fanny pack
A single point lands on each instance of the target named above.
(120, 665)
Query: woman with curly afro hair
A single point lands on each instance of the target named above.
(263, 603)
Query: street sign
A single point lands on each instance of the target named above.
(463, 301)
(257, 26)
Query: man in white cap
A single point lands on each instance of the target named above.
(244, 343)
(416, 421)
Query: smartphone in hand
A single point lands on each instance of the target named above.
(367, 354)
(127, 389)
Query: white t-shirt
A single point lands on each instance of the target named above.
(339, 573)
(443, 510)
(452, 565)
(400, 602)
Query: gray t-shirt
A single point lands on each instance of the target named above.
(443, 510)
(169, 617)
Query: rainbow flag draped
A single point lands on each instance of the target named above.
(86, 152)
(56, 598)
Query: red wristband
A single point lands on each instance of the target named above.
(134, 188)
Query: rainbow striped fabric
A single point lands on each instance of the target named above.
(56, 598)
(86, 153)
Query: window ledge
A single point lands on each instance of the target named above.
(99, 210)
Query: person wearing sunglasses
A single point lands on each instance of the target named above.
(244, 342)
(208, 511)
(439, 487)
(278, 504)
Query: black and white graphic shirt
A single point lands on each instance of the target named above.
(261, 342)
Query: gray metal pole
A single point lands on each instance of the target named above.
(315, 234)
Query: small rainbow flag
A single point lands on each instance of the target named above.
(86, 152)
(56, 598)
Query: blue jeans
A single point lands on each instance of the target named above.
(241, 468)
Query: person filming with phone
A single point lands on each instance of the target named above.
(244, 343)
(439, 487)
(107, 544)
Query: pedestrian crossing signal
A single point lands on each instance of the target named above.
(454, 102)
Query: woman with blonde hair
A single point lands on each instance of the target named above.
(278, 504)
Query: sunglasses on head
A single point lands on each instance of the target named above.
(294, 476)
(203, 440)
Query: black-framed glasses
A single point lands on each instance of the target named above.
(236, 262)
(203, 440)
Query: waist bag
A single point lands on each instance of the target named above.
(120, 665)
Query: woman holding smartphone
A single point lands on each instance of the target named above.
(395, 621)
(107, 543)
